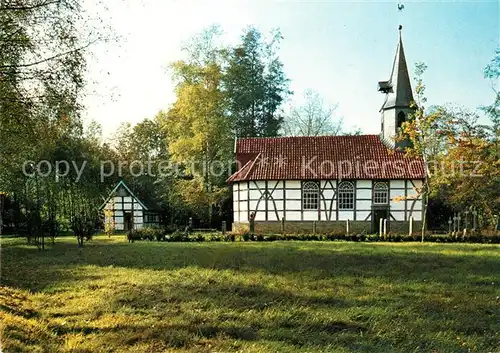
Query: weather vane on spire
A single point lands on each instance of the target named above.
(401, 6)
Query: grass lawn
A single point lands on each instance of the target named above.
(112, 296)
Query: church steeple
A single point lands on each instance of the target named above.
(398, 95)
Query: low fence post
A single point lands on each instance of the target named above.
(474, 221)
(252, 223)
(381, 227)
(347, 226)
(385, 228)
(410, 231)
(466, 222)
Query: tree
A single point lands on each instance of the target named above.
(313, 118)
(145, 145)
(3, 195)
(197, 123)
(418, 129)
(256, 85)
(492, 72)
(42, 65)
(43, 48)
(461, 155)
(468, 173)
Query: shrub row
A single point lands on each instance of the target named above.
(373, 238)
(149, 233)
(178, 236)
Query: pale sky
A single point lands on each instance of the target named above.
(340, 49)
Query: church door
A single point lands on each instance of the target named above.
(377, 215)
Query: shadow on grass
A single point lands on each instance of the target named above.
(213, 308)
(316, 260)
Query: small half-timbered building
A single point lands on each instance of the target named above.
(330, 180)
(126, 211)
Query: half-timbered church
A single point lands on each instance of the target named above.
(329, 180)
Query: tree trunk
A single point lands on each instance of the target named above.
(425, 201)
(2, 197)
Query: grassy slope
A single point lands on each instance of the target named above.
(286, 296)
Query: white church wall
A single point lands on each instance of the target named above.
(293, 215)
(254, 194)
(365, 194)
(310, 215)
(277, 194)
(398, 215)
(397, 184)
(364, 205)
(294, 194)
(293, 184)
(272, 217)
(293, 205)
(363, 215)
(260, 216)
(278, 203)
(395, 193)
(398, 206)
(364, 184)
(328, 194)
(259, 184)
(288, 202)
(389, 118)
(345, 215)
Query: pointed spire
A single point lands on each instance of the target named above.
(398, 88)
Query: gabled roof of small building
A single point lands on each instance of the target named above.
(114, 192)
(323, 157)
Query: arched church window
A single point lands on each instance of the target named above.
(380, 193)
(310, 195)
(401, 119)
(346, 195)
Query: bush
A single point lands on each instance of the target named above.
(133, 235)
(146, 233)
(169, 229)
(246, 237)
(272, 237)
(215, 237)
(260, 237)
(176, 236)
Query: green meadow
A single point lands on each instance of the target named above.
(112, 296)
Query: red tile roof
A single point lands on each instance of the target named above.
(323, 157)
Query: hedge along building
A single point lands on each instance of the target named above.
(327, 180)
(126, 211)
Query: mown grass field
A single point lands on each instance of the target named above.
(112, 296)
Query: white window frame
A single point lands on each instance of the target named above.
(380, 193)
(346, 196)
(310, 195)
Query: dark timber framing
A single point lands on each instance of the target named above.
(292, 200)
